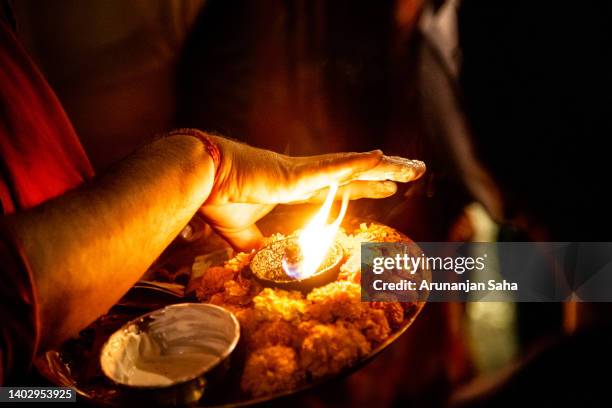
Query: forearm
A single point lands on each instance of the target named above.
(88, 247)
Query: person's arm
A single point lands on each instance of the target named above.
(87, 248)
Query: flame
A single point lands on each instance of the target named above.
(317, 237)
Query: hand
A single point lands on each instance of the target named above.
(251, 181)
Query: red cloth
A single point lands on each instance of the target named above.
(40, 158)
(40, 154)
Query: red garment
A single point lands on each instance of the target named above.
(40, 154)
(40, 158)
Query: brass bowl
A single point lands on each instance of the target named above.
(166, 357)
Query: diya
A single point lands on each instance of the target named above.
(278, 265)
(307, 259)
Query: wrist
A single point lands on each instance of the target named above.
(209, 142)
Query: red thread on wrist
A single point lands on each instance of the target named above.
(209, 144)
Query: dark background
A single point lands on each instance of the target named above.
(306, 77)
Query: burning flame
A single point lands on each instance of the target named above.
(317, 237)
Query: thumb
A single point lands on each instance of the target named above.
(242, 240)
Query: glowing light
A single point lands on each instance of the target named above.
(316, 238)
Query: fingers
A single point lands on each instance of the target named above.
(396, 169)
(355, 190)
(317, 172)
(368, 189)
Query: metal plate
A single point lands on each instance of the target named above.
(76, 365)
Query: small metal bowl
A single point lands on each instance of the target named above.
(168, 356)
(267, 267)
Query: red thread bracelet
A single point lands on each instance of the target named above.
(209, 144)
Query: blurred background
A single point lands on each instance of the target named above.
(316, 76)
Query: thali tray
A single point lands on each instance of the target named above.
(75, 364)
